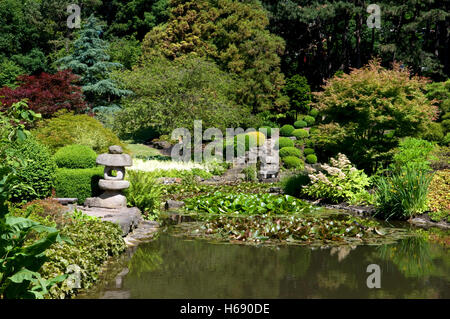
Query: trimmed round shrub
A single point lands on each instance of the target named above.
(258, 136)
(290, 151)
(311, 159)
(293, 162)
(284, 142)
(80, 183)
(292, 185)
(67, 129)
(300, 124)
(35, 178)
(300, 133)
(309, 119)
(75, 156)
(314, 112)
(286, 130)
(308, 151)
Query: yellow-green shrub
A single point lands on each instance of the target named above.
(439, 195)
(82, 129)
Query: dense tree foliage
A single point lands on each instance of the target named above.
(323, 37)
(171, 94)
(46, 93)
(234, 34)
(299, 93)
(369, 110)
(134, 17)
(90, 61)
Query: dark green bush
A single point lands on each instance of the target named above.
(314, 112)
(309, 119)
(286, 130)
(284, 142)
(79, 183)
(290, 151)
(36, 176)
(300, 124)
(75, 156)
(308, 151)
(300, 133)
(292, 185)
(311, 159)
(293, 162)
(434, 132)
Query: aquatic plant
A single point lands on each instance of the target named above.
(246, 204)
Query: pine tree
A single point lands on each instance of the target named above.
(90, 61)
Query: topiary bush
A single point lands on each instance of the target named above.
(300, 133)
(314, 112)
(292, 185)
(311, 159)
(75, 156)
(290, 151)
(35, 177)
(80, 183)
(293, 162)
(286, 130)
(309, 119)
(67, 129)
(259, 137)
(308, 151)
(284, 142)
(300, 124)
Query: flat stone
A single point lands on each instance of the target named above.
(115, 149)
(116, 185)
(173, 204)
(114, 160)
(127, 218)
(107, 200)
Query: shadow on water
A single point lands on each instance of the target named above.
(173, 267)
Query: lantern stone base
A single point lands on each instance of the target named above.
(109, 199)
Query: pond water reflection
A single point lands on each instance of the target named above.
(173, 267)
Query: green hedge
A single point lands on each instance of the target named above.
(300, 124)
(34, 179)
(293, 162)
(284, 142)
(308, 151)
(79, 183)
(314, 112)
(286, 130)
(290, 151)
(309, 119)
(75, 156)
(311, 159)
(300, 133)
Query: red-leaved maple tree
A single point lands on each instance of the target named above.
(46, 93)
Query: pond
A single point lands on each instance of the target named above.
(177, 267)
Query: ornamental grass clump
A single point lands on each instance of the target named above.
(402, 194)
(338, 181)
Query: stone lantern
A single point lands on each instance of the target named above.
(112, 185)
